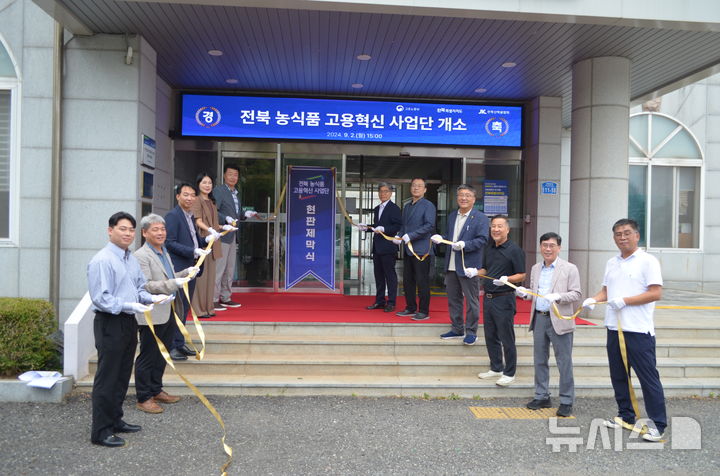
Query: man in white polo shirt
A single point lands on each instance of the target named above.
(632, 284)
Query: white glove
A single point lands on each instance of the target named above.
(437, 239)
(458, 245)
(180, 281)
(589, 303)
(192, 271)
(552, 297)
(201, 252)
(210, 237)
(500, 282)
(250, 214)
(379, 229)
(229, 228)
(139, 308)
(471, 272)
(397, 240)
(617, 303)
(521, 292)
(161, 297)
(406, 238)
(230, 220)
(362, 226)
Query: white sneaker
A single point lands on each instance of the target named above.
(505, 380)
(653, 435)
(489, 374)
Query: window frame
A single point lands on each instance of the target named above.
(12, 240)
(650, 161)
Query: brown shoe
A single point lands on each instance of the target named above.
(149, 406)
(164, 397)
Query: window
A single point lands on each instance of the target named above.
(8, 140)
(664, 191)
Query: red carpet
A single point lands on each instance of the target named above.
(296, 307)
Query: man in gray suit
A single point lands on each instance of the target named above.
(229, 210)
(157, 267)
(559, 282)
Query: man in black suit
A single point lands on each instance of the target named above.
(184, 245)
(386, 219)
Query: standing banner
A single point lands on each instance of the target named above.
(310, 231)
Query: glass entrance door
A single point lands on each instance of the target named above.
(254, 260)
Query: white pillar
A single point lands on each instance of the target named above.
(542, 163)
(599, 163)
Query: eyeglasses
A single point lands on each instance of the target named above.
(548, 246)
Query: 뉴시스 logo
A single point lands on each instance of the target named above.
(207, 116)
(497, 126)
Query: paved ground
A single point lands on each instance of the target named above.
(339, 435)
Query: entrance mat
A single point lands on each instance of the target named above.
(311, 307)
(513, 413)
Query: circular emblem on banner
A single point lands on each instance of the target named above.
(399, 108)
(207, 116)
(497, 126)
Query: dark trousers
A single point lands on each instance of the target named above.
(385, 276)
(641, 358)
(115, 341)
(499, 319)
(416, 273)
(150, 364)
(178, 339)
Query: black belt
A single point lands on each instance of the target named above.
(494, 295)
(544, 313)
(122, 314)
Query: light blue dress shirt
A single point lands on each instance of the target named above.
(163, 257)
(544, 285)
(115, 281)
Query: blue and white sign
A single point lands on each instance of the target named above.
(350, 120)
(549, 188)
(310, 232)
(495, 197)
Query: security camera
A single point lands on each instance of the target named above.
(129, 55)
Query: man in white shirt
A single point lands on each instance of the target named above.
(632, 284)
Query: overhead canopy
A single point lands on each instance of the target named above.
(420, 51)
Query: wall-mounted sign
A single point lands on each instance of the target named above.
(148, 151)
(549, 188)
(495, 197)
(350, 120)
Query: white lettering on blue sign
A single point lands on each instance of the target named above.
(549, 188)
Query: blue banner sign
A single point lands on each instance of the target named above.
(350, 120)
(310, 231)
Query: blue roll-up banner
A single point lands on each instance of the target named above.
(310, 231)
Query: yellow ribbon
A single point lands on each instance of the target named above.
(166, 355)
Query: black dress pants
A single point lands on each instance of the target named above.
(416, 273)
(150, 364)
(499, 326)
(178, 339)
(115, 341)
(385, 276)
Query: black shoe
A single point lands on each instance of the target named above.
(377, 305)
(405, 313)
(389, 308)
(420, 316)
(205, 316)
(175, 354)
(564, 410)
(187, 350)
(536, 404)
(111, 441)
(127, 428)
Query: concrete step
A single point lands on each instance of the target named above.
(689, 330)
(429, 366)
(427, 345)
(447, 387)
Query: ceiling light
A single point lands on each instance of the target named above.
(231, 81)
(357, 85)
(481, 90)
(509, 64)
(215, 52)
(364, 57)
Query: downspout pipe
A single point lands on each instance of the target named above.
(56, 170)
